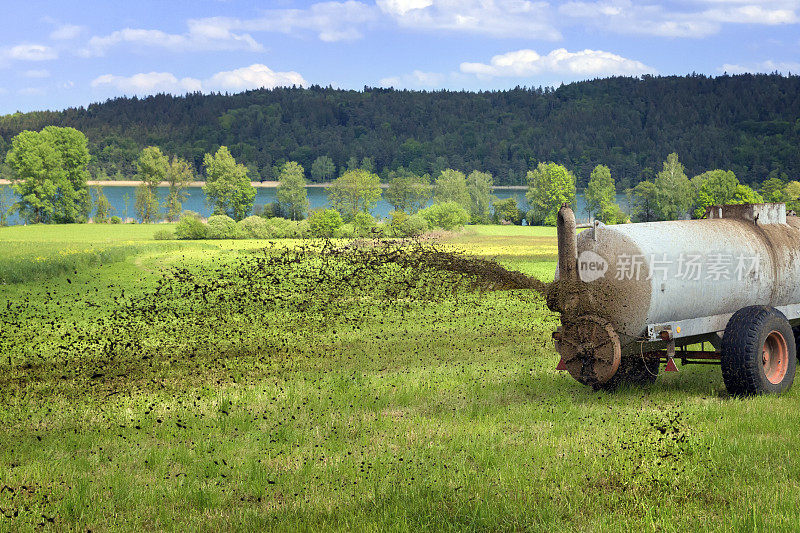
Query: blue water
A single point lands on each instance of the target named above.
(317, 197)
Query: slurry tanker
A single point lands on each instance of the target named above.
(721, 290)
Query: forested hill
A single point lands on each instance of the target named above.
(749, 124)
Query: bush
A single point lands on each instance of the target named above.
(363, 224)
(301, 229)
(412, 226)
(507, 211)
(447, 215)
(163, 235)
(116, 220)
(254, 227)
(324, 223)
(404, 225)
(347, 231)
(280, 228)
(190, 227)
(221, 227)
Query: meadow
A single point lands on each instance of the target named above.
(307, 386)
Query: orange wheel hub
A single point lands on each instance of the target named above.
(775, 357)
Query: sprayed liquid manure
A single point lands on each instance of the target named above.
(260, 304)
(482, 274)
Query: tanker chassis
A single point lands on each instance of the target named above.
(634, 296)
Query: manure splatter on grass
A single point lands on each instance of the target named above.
(195, 318)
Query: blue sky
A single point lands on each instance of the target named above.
(56, 54)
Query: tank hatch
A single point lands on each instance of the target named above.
(772, 213)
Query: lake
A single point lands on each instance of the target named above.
(317, 197)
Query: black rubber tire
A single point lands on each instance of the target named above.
(742, 345)
(796, 330)
(633, 371)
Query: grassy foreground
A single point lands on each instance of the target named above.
(247, 392)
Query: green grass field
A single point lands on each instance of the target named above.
(250, 390)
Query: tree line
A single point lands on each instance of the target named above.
(748, 124)
(49, 170)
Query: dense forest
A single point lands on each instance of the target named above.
(749, 124)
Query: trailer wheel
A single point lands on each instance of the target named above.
(759, 354)
(633, 371)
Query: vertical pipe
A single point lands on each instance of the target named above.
(567, 244)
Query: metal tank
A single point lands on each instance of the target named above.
(630, 294)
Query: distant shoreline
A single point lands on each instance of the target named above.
(258, 184)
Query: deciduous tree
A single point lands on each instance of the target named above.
(227, 187)
(145, 203)
(507, 211)
(774, 190)
(291, 192)
(549, 186)
(793, 196)
(355, 191)
(451, 186)
(323, 169)
(715, 187)
(179, 175)
(644, 202)
(407, 191)
(102, 207)
(479, 189)
(152, 168)
(49, 175)
(674, 192)
(600, 190)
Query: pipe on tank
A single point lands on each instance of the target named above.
(563, 295)
(567, 244)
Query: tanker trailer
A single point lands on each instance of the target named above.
(634, 296)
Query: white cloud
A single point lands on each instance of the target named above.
(331, 21)
(199, 37)
(66, 32)
(30, 52)
(401, 7)
(497, 18)
(31, 91)
(558, 64)
(752, 14)
(622, 16)
(148, 83)
(252, 77)
(764, 66)
(526, 63)
(707, 18)
(417, 79)
(43, 73)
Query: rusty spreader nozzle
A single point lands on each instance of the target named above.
(567, 245)
(563, 296)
